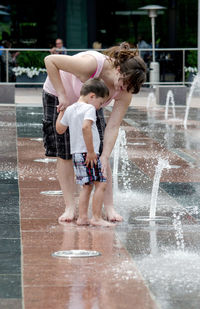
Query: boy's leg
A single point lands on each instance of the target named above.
(97, 202)
(83, 205)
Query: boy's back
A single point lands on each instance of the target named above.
(73, 117)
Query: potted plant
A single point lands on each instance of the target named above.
(190, 73)
(30, 67)
(29, 74)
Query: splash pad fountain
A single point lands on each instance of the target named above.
(151, 99)
(170, 98)
(171, 274)
(162, 164)
(120, 150)
(195, 84)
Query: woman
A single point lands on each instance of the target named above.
(123, 72)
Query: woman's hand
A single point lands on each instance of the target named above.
(91, 159)
(63, 103)
(104, 165)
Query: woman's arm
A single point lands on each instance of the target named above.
(82, 66)
(111, 132)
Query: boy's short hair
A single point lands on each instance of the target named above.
(95, 85)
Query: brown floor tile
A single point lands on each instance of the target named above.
(83, 296)
(108, 280)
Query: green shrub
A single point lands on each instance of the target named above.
(192, 58)
(29, 59)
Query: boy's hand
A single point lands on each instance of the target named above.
(63, 103)
(91, 159)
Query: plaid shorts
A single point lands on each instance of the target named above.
(86, 175)
(58, 145)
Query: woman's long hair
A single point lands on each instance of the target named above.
(132, 66)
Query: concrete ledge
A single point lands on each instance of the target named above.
(7, 94)
(179, 93)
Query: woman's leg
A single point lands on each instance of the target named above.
(110, 213)
(59, 146)
(66, 179)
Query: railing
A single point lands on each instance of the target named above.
(172, 63)
(177, 64)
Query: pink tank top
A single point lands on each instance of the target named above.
(72, 84)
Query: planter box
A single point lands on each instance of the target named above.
(179, 93)
(35, 79)
(7, 93)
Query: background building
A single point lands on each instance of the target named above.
(79, 23)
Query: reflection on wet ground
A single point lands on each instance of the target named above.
(142, 264)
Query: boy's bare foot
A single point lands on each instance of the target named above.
(82, 221)
(68, 215)
(111, 215)
(101, 222)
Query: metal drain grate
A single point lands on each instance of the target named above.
(156, 218)
(75, 254)
(45, 160)
(51, 192)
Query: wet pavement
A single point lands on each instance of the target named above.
(143, 264)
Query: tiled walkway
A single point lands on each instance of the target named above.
(142, 265)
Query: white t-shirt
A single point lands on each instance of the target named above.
(73, 117)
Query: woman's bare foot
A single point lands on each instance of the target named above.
(82, 221)
(112, 216)
(68, 215)
(101, 222)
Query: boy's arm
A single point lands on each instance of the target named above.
(87, 135)
(60, 128)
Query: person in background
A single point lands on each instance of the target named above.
(59, 49)
(11, 62)
(1, 48)
(146, 55)
(97, 45)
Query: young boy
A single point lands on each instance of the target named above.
(84, 144)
